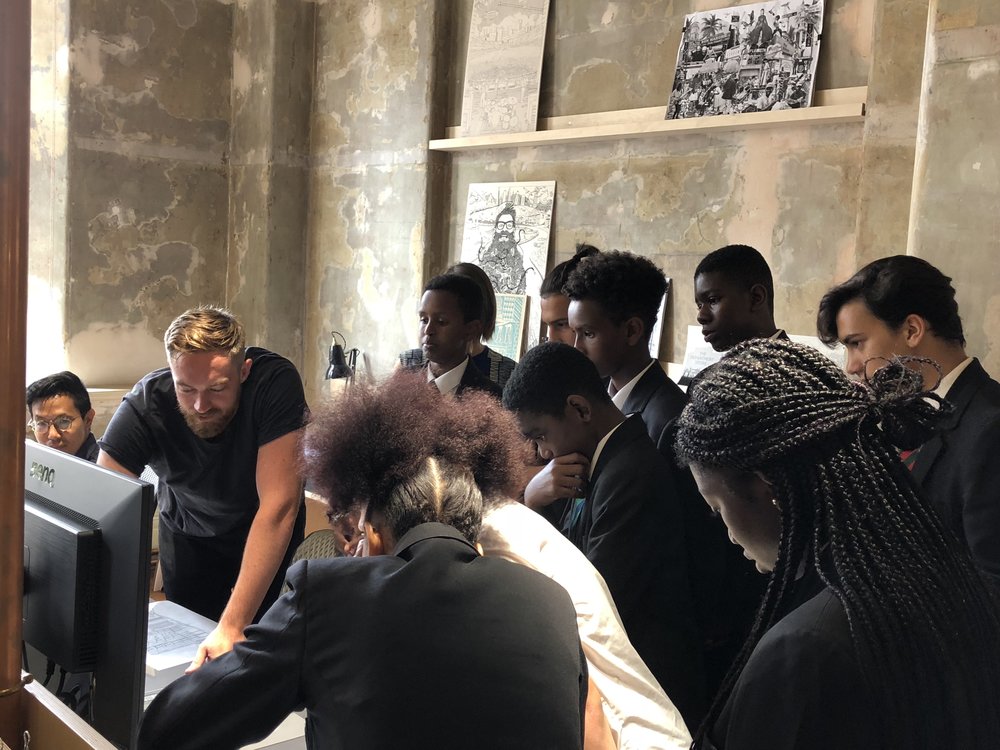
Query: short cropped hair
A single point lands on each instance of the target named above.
(465, 290)
(205, 328)
(893, 288)
(63, 383)
(477, 274)
(623, 284)
(547, 375)
(404, 451)
(742, 265)
(555, 279)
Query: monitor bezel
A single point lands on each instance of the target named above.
(123, 509)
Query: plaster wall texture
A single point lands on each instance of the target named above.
(269, 170)
(790, 191)
(372, 181)
(272, 156)
(956, 191)
(149, 114)
(47, 187)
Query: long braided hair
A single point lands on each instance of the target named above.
(924, 624)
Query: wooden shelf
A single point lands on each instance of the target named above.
(830, 106)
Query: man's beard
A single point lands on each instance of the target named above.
(503, 242)
(212, 427)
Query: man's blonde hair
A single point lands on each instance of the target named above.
(205, 329)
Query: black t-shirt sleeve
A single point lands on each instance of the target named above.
(279, 403)
(128, 439)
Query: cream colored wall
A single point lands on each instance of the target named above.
(274, 156)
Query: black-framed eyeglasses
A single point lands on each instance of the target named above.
(505, 225)
(60, 423)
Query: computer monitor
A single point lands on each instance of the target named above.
(68, 504)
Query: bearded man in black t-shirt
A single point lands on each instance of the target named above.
(220, 426)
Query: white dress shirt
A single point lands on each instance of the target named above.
(448, 382)
(640, 714)
(949, 380)
(600, 448)
(622, 395)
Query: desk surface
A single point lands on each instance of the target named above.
(167, 657)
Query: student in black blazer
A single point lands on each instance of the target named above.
(904, 306)
(626, 517)
(451, 318)
(876, 630)
(957, 468)
(614, 301)
(423, 643)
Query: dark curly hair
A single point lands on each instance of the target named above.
(372, 448)
(547, 375)
(623, 284)
(923, 622)
(555, 279)
(893, 288)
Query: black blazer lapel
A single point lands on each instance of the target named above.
(959, 396)
(644, 390)
(629, 431)
(474, 379)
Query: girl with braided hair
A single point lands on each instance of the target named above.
(875, 631)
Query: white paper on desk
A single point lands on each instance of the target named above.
(698, 354)
(173, 636)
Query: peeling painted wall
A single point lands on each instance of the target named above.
(147, 186)
(791, 191)
(956, 192)
(272, 155)
(273, 63)
(372, 177)
(47, 188)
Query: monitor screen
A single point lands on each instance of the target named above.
(70, 503)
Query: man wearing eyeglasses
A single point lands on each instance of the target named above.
(503, 260)
(61, 415)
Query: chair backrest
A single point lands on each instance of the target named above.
(316, 546)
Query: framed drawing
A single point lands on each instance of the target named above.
(508, 335)
(750, 58)
(507, 235)
(503, 66)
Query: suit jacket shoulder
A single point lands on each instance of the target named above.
(495, 645)
(473, 379)
(802, 687)
(957, 470)
(632, 530)
(501, 367)
(657, 399)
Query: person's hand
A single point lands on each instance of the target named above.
(219, 641)
(346, 535)
(563, 476)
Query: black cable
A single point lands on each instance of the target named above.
(50, 669)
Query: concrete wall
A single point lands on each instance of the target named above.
(147, 180)
(956, 190)
(272, 156)
(791, 191)
(374, 184)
